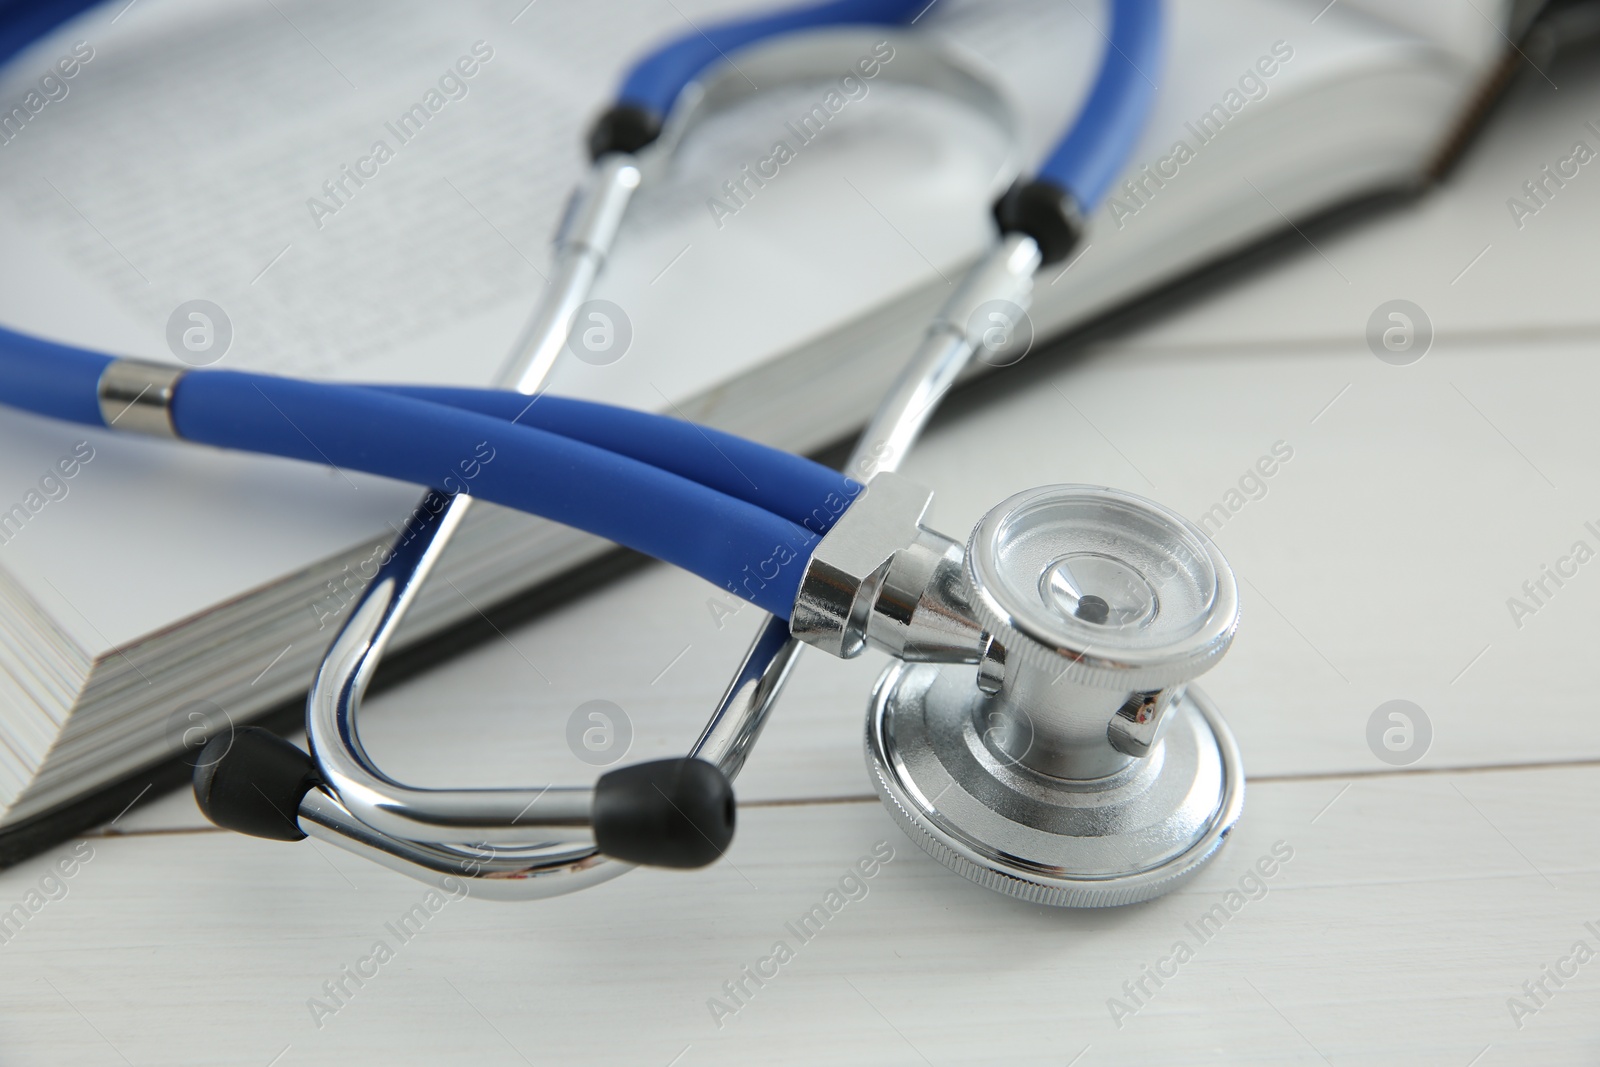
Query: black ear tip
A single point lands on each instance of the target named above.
(666, 813)
(623, 128)
(1044, 211)
(251, 781)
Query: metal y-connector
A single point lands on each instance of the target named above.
(881, 578)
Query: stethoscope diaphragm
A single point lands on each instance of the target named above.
(1087, 772)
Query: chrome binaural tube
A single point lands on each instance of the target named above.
(464, 816)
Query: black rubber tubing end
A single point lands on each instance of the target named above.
(623, 128)
(251, 780)
(1044, 211)
(666, 813)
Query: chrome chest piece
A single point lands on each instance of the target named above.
(1037, 733)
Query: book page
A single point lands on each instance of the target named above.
(1476, 31)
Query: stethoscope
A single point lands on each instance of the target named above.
(1036, 732)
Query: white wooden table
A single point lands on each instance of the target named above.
(1416, 901)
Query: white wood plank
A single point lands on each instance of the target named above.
(1413, 906)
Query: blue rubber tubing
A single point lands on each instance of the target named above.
(23, 22)
(50, 379)
(62, 382)
(791, 486)
(1085, 162)
(1097, 145)
(746, 550)
(655, 82)
(702, 483)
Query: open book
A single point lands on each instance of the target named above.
(228, 152)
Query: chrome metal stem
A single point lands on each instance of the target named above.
(594, 214)
(485, 873)
(1006, 273)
